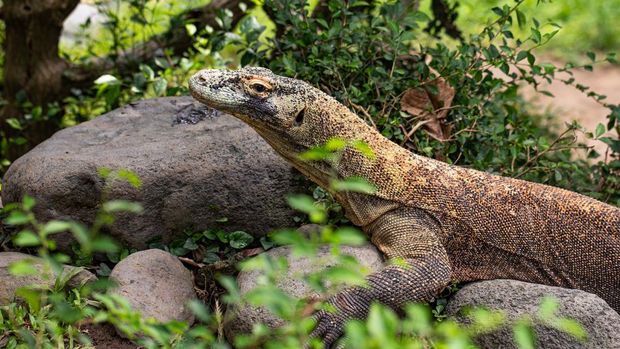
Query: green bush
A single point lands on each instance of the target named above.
(368, 57)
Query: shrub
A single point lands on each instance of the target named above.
(368, 57)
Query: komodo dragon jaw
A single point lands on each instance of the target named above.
(448, 223)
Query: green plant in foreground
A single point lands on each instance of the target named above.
(383, 328)
(52, 317)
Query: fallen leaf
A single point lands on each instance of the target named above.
(430, 105)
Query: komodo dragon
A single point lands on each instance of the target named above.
(449, 223)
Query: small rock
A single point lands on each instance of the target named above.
(10, 283)
(308, 230)
(156, 284)
(517, 298)
(240, 320)
(199, 170)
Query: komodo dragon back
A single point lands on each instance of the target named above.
(464, 224)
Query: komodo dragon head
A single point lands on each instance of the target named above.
(289, 114)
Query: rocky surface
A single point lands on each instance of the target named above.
(240, 320)
(10, 283)
(198, 168)
(156, 284)
(517, 298)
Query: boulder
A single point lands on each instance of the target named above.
(10, 283)
(517, 299)
(156, 284)
(199, 169)
(240, 319)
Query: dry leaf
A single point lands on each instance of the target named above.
(430, 108)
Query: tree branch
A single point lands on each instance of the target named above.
(176, 39)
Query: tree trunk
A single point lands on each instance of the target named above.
(33, 69)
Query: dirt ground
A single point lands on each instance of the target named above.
(571, 104)
(104, 337)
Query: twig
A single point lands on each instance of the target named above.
(363, 111)
(191, 262)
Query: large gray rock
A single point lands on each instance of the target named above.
(10, 283)
(156, 284)
(239, 320)
(517, 299)
(196, 166)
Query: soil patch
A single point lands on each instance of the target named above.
(104, 336)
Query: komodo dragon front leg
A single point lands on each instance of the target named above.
(405, 233)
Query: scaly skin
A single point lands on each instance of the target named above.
(448, 223)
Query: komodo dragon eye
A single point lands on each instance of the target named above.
(259, 88)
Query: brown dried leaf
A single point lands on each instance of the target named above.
(430, 108)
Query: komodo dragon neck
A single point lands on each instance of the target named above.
(296, 117)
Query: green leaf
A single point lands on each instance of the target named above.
(343, 275)
(199, 310)
(210, 258)
(23, 267)
(316, 154)
(306, 205)
(520, 18)
(382, 322)
(159, 86)
(548, 307)
(240, 239)
(104, 172)
(104, 243)
(14, 123)
(18, 218)
(572, 327)
(354, 184)
(421, 316)
(536, 37)
(498, 11)
(266, 242)
(349, 236)
(600, 130)
(65, 275)
(591, 55)
(524, 335)
(131, 177)
(222, 236)
(27, 238)
(53, 227)
(31, 296)
(335, 144)
(28, 202)
(233, 296)
(613, 143)
(122, 206)
(191, 29)
(363, 148)
(107, 79)
(301, 203)
(190, 244)
(80, 232)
